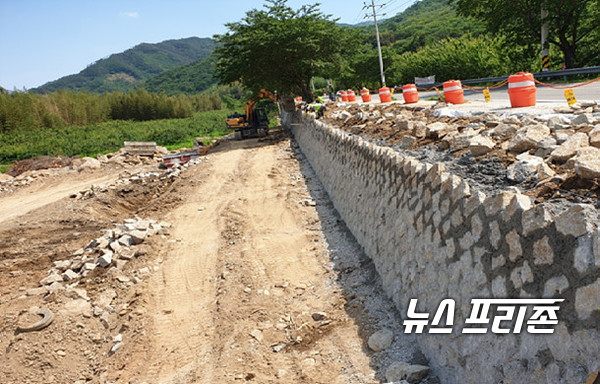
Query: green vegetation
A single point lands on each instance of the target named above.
(281, 49)
(191, 78)
(21, 110)
(424, 23)
(574, 26)
(462, 58)
(109, 136)
(126, 70)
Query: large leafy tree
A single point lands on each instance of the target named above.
(281, 49)
(574, 25)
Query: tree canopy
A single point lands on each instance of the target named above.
(574, 25)
(281, 49)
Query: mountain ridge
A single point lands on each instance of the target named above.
(128, 69)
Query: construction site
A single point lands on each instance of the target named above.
(292, 258)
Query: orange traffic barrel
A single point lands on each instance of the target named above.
(366, 96)
(521, 90)
(385, 96)
(351, 95)
(410, 93)
(344, 96)
(453, 92)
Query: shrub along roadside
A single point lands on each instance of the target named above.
(109, 136)
(464, 58)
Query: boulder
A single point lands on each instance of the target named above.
(89, 163)
(137, 236)
(5, 178)
(69, 275)
(409, 141)
(528, 138)
(528, 166)
(587, 163)
(569, 148)
(403, 124)
(126, 240)
(461, 140)
(595, 136)
(584, 118)
(439, 129)
(404, 371)
(503, 131)
(52, 278)
(480, 145)
(419, 129)
(105, 260)
(381, 340)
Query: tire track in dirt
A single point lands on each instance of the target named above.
(239, 287)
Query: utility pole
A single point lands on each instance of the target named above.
(378, 41)
(545, 45)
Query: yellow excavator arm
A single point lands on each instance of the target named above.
(263, 94)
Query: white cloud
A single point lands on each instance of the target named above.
(129, 15)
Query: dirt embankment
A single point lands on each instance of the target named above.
(255, 280)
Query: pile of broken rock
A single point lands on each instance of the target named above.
(544, 146)
(114, 248)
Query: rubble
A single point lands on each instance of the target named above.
(546, 156)
(116, 246)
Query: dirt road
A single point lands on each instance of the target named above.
(39, 195)
(236, 293)
(258, 280)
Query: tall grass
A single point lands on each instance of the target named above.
(23, 110)
(108, 136)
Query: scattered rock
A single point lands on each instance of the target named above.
(137, 236)
(105, 260)
(528, 138)
(319, 316)
(528, 166)
(409, 141)
(595, 136)
(584, 118)
(381, 340)
(587, 163)
(89, 163)
(257, 334)
(439, 129)
(69, 275)
(52, 278)
(480, 145)
(404, 371)
(569, 148)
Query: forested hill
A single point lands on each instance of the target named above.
(190, 78)
(126, 70)
(423, 23)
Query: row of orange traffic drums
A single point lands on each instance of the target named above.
(521, 91)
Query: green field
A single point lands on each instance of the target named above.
(109, 136)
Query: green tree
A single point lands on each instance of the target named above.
(574, 25)
(281, 49)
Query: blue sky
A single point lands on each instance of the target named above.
(43, 40)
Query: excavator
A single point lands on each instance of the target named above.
(255, 122)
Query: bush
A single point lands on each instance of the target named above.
(463, 58)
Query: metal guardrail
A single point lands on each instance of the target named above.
(565, 72)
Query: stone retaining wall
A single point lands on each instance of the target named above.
(432, 237)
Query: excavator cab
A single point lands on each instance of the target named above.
(255, 123)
